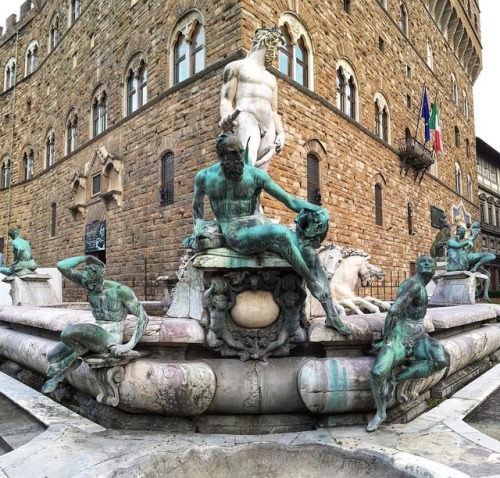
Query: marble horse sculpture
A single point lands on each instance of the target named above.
(346, 268)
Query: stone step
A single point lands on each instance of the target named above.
(16, 426)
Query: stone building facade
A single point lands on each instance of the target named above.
(488, 175)
(109, 107)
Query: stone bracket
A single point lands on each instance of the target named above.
(108, 381)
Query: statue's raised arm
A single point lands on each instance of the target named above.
(110, 302)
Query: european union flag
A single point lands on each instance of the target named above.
(425, 113)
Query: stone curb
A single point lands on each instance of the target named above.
(42, 408)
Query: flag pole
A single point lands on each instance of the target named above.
(420, 111)
(432, 108)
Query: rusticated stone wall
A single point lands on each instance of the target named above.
(143, 237)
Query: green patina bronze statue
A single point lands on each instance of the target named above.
(110, 303)
(23, 263)
(461, 255)
(233, 188)
(438, 248)
(405, 341)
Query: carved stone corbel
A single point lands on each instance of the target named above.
(108, 381)
(78, 186)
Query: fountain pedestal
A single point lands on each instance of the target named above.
(457, 288)
(32, 289)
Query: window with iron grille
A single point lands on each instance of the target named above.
(379, 218)
(2, 244)
(53, 219)
(167, 179)
(96, 184)
(410, 220)
(313, 189)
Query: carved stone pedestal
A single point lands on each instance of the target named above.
(254, 305)
(32, 289)
(457, 288)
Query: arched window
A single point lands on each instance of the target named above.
(54, 32)
(347, 6)
(379, 216)
(196, 49)
(28, 164)
(301, 63)
(457, 137)
(470, 196)
(313, 186)
(430, 56)
(99, 111)
(285, 55)
(75, 10)
(454, 89)
(72, 132)
(50, 148)
(458, 179)
(188, 47)
(382, 120)
(466, 105)
(10, 74)
(403, 19)
(295, 56)
(340, 89)
(167, 179)
(137, 84)
(181, 59)
(31, 57)
(409, 210)
(351, 97)
(434, 166)
(346, 88)
(482, 205)
(6, 173)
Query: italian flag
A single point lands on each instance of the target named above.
(435, 124)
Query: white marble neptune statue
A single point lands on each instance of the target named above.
(249, 99)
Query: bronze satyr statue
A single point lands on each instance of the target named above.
(406, 341)
(461, 255)
(233, 189)
(23, 263)
(438, 248)
(110, 303)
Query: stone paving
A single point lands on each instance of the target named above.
(438, 443)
